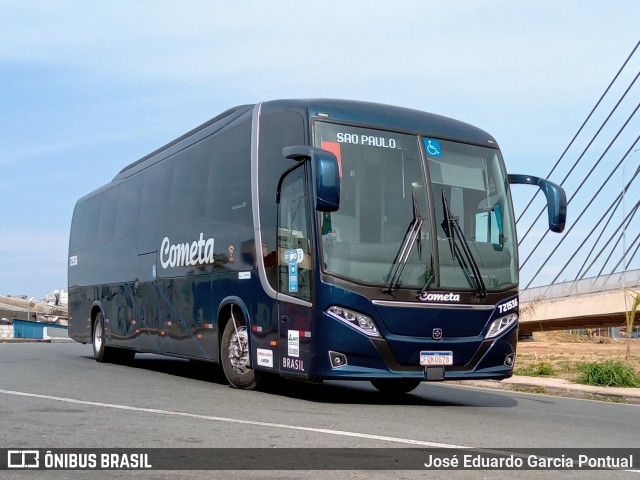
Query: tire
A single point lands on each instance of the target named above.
(104, 354)
(235, 355)
(396, 385)
(100, 351)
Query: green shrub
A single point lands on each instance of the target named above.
(540, 369)
(609, 373)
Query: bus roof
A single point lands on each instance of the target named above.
(348, 111)
(219, 121)
(390, 117)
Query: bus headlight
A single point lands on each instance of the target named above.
(359, 321)
(501, 324)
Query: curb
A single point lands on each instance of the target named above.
(559, 387)
(37, 340)
(24, 340)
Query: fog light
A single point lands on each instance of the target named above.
(337, 359)
(510, 360)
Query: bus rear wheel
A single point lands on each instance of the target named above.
(396, 385)
(100, 351)
(235, 354)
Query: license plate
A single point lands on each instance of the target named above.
(436, 358)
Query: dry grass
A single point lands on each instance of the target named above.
(564, 351)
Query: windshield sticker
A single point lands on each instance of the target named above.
(334, 147)
(440, 297)
(293, 277)
(294, 255)
(432, 147)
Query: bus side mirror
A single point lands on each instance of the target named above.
(325, 173)
(556, 199)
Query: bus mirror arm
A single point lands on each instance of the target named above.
(298, 153)
(556, 199)
(325, 174)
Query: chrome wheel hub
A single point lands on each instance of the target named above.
(239, 350)
(97, 336)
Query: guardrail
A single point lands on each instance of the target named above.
(614, 281)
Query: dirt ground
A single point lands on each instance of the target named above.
(564, 351)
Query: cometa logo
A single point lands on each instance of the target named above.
(440, 297)
(198, 252)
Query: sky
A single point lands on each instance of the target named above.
(89, 87)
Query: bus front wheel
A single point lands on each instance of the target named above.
(396, 385)
(235, 355)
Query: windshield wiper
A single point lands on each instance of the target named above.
(412, 235)
(451, 228)
(430, 276)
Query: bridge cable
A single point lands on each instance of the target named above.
(625, 253)
(575, 164)
(607, 276)
(587, 177)
(632, 256)
(581, 214)
(614, 205)
(617, 201)
(628, 219)
(580, 129)
(581, 273)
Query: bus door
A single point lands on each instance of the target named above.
(294, 273)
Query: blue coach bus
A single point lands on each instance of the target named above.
(311, 239)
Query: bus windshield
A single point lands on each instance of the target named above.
(384, 195)
(471, 183)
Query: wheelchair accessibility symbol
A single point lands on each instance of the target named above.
(432, 147)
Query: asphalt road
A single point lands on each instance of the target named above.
(56, 395)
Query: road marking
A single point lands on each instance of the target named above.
(383, 438)
(405, 441)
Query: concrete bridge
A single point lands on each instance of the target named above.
(23, 308)
(597, 302)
